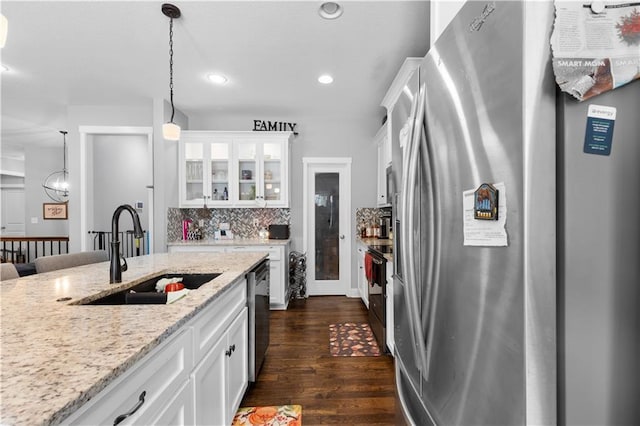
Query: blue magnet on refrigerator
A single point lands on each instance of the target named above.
(599, 133)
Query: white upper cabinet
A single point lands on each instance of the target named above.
(234, 169)
(383, 144)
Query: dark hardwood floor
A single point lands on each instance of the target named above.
(332, 390)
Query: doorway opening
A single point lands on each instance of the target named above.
(116, 168)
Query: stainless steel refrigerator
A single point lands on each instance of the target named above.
(545, 329)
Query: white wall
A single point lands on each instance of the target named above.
(318, 137)
(120, 175)
(165, 167)
(442, 12)
(11, 166)
(40, 163)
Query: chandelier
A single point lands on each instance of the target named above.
(56, 185)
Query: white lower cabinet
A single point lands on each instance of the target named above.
(279, 288)
(145, 389)
(221, 378)
(237, 371)
(179, 410)
(389, 301)
(362, 277)
(197, 376)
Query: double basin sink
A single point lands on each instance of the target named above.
(145, 291)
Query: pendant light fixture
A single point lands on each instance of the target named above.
(4, 29)
(170, 130)
(56, 185)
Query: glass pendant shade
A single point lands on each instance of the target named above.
(56, 185)
(171, 131)
(4, 29)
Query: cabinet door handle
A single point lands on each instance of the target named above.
(121, 417)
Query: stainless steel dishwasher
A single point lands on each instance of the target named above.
(258, 302)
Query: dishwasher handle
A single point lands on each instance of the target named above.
(261, 270)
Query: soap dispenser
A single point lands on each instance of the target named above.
(263, 233)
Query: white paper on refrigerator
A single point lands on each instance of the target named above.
(489, 233)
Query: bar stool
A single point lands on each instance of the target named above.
(63, 261)
(8, 271)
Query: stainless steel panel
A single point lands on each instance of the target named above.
(474, 127)
(599, 272)
(402, 334)
(539, 231)
(258, 304)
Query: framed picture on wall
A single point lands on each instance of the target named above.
(55, 211)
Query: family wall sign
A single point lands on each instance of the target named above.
(274, 126)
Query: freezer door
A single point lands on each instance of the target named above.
(599, 268)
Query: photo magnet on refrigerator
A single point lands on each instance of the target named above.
(599, 133)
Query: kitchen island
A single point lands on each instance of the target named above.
(57, 354)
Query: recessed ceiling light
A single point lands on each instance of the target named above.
(330, 10)
(217, 78)
(325, 79)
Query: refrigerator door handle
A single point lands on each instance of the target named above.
(405, 241)
(411, 271)
(434, 254)
(418, 136)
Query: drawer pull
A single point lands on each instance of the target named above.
(121, 417)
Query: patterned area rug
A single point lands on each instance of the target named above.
(283, 415)
(351, 339)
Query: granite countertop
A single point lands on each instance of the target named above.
(233, 242)
(377, 242)
(56, 355)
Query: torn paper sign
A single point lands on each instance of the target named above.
(596, 46)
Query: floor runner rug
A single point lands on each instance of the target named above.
(282, 415)
(352, 339)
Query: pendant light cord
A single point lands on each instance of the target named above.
(64, 151)
(171, 65)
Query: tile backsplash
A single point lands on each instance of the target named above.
(244, 223)
(366, 215)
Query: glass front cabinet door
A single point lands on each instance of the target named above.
(205, 170)
(234, 169)
(262, 171)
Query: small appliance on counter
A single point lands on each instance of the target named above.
(278, 232)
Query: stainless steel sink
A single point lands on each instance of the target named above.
(145, 292)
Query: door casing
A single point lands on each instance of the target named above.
(341, 165)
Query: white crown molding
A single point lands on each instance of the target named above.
(408, 67)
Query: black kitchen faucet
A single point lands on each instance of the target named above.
(116, 267)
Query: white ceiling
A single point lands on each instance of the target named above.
(116, 53)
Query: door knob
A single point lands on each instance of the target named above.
(342, 237)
